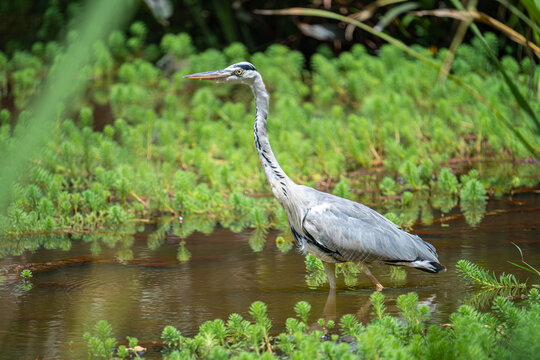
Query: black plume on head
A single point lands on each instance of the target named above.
(245, 66)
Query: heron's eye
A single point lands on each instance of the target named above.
(238, 72)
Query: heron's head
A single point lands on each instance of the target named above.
(242, 72)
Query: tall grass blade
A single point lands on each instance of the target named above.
(523, 103)
(393, 13)
(533, 7)
(366, 13)
(466, 15)
(98, 19)
(456, 42)
(521, 15)
(529, 267)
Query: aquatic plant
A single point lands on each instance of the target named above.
(237, 329)
(480, 276)
(100, 343)
(349, 271)
(302, 310)
(500, 333)
(472, 198)
(284, 245)
(473, 211)
(257, 239)
(405, 335)
(398, 274)
(132, 350)
(388, 186)
(473, 190)
(342, 189)
(260, 330)
(171, 337)
(394, 218)
(447, 183)
(315, 271)
(183, 253)
(26, 274)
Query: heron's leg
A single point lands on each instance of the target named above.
(330, 269)
(368, 273)
(329, 311)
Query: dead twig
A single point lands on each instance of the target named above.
(483, 18)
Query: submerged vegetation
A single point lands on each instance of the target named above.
(144, 142)
(510, 331)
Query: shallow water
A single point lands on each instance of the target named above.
(224, 275)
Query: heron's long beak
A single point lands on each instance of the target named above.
(210, 75)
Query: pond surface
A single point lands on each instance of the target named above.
(138, 298)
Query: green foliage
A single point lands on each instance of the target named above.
(510, 330)
(473, 198)
(171, 337)
(159, 151)
(398, 274)
(284, 245)
(237, 329)
(302, 310)
(183, 253)
(523, 342)
(259, 332)
(411, 174)
(394, 218)
(342, 189)
(377, 301)
(447, 183)
(473, 190)
(349, 271)
(414, 314)
(480, 276)
(388, 186)
(316, 275)
(100, 343)
(26, 274)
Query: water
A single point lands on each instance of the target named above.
(223, 276)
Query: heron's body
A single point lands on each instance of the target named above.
(331, 228)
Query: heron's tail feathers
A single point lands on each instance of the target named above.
(424, 265)
(428, 266)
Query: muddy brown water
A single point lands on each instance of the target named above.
(225, 276)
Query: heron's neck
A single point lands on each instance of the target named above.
(279, 181)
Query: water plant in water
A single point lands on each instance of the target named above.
(26, 274)
(133, 350)
(506, 285)
(285, 245)
(478, 275)
(509, 330)
(183, 253)
(100, 342)
(472, 198)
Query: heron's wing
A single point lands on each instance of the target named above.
(358, 233)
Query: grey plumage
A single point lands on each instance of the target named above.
(331, 228)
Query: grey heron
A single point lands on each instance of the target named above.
(331, 228)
